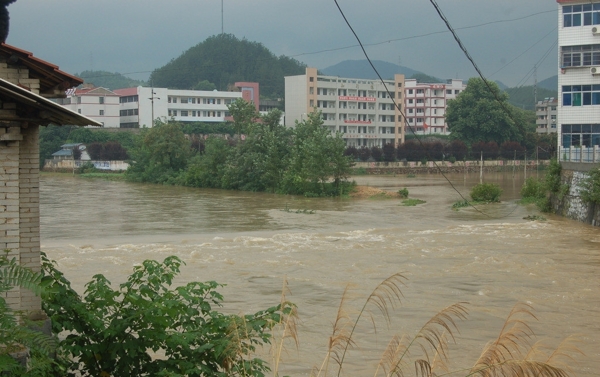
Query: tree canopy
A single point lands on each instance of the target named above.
(476, 115)
(109, 80)
(224, 59)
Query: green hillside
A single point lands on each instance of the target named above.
(523, 97)
(224, 59)
(109, 80)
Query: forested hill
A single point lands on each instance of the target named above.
(109, 80)
(224, 59)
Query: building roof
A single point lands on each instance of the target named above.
(53, 81)
(126, 92)
(94, 92)
(63, 152)
(37, 109)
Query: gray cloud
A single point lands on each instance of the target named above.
(137, 36)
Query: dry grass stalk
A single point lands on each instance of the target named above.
(385, 296)
(511, 354)
(431, 339)
(340, 337)
(287, 328)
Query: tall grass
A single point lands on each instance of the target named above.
(427, 353)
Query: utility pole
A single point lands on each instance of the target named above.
(152, 93)
(222, 27)
(535, 87)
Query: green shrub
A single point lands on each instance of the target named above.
(412, 202)
(590, 187)
(403, 193)
(452, 159)
(552, 177)
(114, 332)
(533, 188)
(486, 192)
(460, 204)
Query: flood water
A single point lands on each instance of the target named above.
(491, 258)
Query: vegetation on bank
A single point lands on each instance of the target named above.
(482, 193)
(305, 160)
(119, 332)
(538, 191)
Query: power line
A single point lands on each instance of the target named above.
(400, 109)
(355, 45)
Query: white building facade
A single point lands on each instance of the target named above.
(361, 110)
(425, 105)
(546, 115)
(99, 104)
(138, 106)
(578, 109)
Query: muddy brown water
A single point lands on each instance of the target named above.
(253, 241)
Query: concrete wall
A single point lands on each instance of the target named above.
(570, 205)
(52, 165)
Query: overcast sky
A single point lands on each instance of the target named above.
(134, 37)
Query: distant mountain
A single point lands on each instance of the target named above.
(550, 83)
(109, 80)
(501, 85)
(523, 96)
(361, 69)
(421, 77)
(224, 59)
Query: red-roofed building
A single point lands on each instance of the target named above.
(99, 104)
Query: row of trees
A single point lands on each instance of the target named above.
(305, 160)
(413, 150)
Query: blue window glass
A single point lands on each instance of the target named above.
(586, 128)
(596, 128)
(567, 20)
(576, 99)
(566, 141)
(595, 98)
(587, 98)
(576, 8)
(576, 19)
(586, 88)
(567, 9)
(587, 18)
(595, 87)
(566, 99)
(586, 7)
(566, 88)
(595, 139)
(566, 129)
(576, 88)
(576, 128)
(596, 6)
(596, 17)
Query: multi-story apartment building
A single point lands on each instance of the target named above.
(425, 104)
(139, 106)
(99, 104)
(361, 110)
(578, 109)
(546, 115)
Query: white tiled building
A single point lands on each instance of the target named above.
(359, 109)
(425, 104)
(578, 109)
(140, 105)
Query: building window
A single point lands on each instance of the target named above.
(184, 100)
(585, 14)
(101, 100)
(585, 135)
(420, 91)
(184, 113)
(410, 91)
(101, 112)
(580, 56)
(311, 79)
(448, 91)
(78, 99)
(581, 95)
(311, 90)
(79, 111)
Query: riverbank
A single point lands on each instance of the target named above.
(437, 167)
